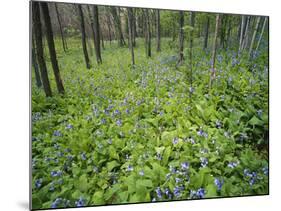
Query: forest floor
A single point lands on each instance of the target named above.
(124, 134)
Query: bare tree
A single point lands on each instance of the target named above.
(158, 31)
(261, 34)
(213, 70)
(254, 36)
(51, 44)
(192, 20)
(243, 18)
(117, 24)
(181, 37)
(246, 34)
(130, 26)
(39, 48)
(147, 33)
(64, 43)
(82, 25)
(206, 37)
(35, 65)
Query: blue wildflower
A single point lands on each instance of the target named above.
(232, 164)
(56, 203)
(119, 122)
(218, 183)
(158, 156)
(178, 180)
(57, 133)
(185, 165)
(259, 112)
(192, 194)
(158, 192)
(200, 193)
(56, 173)
(130, 168)
(80, 202)
(103, 121)
(69, 126)
(218, 124)
(175, 140)
(177, 191)
(52, 187)
(38, 183)
(83, 156)
(265, 170)
(204, 161)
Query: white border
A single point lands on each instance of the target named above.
(14, 88)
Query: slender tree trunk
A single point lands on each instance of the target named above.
(148, 33)
(254, 36)
(228, 40)
(130, 26)
(158, 31)
(262, 31)
(181, 37)
(51, 44)
(246, 34)
(192, 20)
(118, 28)
(35, 65)
(39, 48)
(241, 32)
(109, 28)
(134, 28)
(82, 25)
(206, 33)
(213, 70)
(96, 33)
(102, 39)
(61, 31)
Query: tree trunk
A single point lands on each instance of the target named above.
(117, 24)
(228, 40)
(130, 27)
(213, 70)
(206, 33)
(35, 65)
(147, 33)
(134, 28)
(158, 31)
(51, 44)
(82, 25)
(96, 33)
(246, 34)
(254, 36)
(262, 31)
(64, 44)
(192, 19)
(109, 28)
(181, 37)
(241, 32)
(39, 48)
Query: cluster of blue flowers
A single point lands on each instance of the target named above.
(218, 182)
(59, 202)
(56, 173)
(80, 203)
(233, 164)
(57, 133)
(204, 161)
(38, 183)
(202, 133)
(200, 193)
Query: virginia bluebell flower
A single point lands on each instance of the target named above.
(200, 193)
(158, 192)
(177, 191)
(130, 168)
(57, 133)
(218, 183)
(38, 183)
(175, 140)
(185, 165)
(178, 180)
(265, 170)
(119, 122)
(204, 161)
(233, 164)
(83, 156)
(69, 126)
(56, 173)
(259, 112)
(80, 202)
(56, 203)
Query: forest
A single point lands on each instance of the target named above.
(137, 105)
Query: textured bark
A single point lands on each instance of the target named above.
(181, 37)
(206, 33)
(117, 24)
(82, 25)
(158, 31)
(147, 33)
(192, 20)
(51, 45)
(35, 65)
(109, 28)
(39, 48)
(254, 36)
(64, 44)
(246, 34)
(261, 34)
(243, 19)
(130, 27)
(96, 33)
(213, 70)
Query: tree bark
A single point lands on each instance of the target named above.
(147, 33)
(192, 20)
(254, 36)
(181, 37)
(117, 24)
(35, 65)
(206, 33)
(262, 31)
(64, 44)
(51, 45)
(213, 70)
(130, 27)
(39, 48)
(109, 28)
(243, 18)
(82, 25)
(246, 34)
(158, 31)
